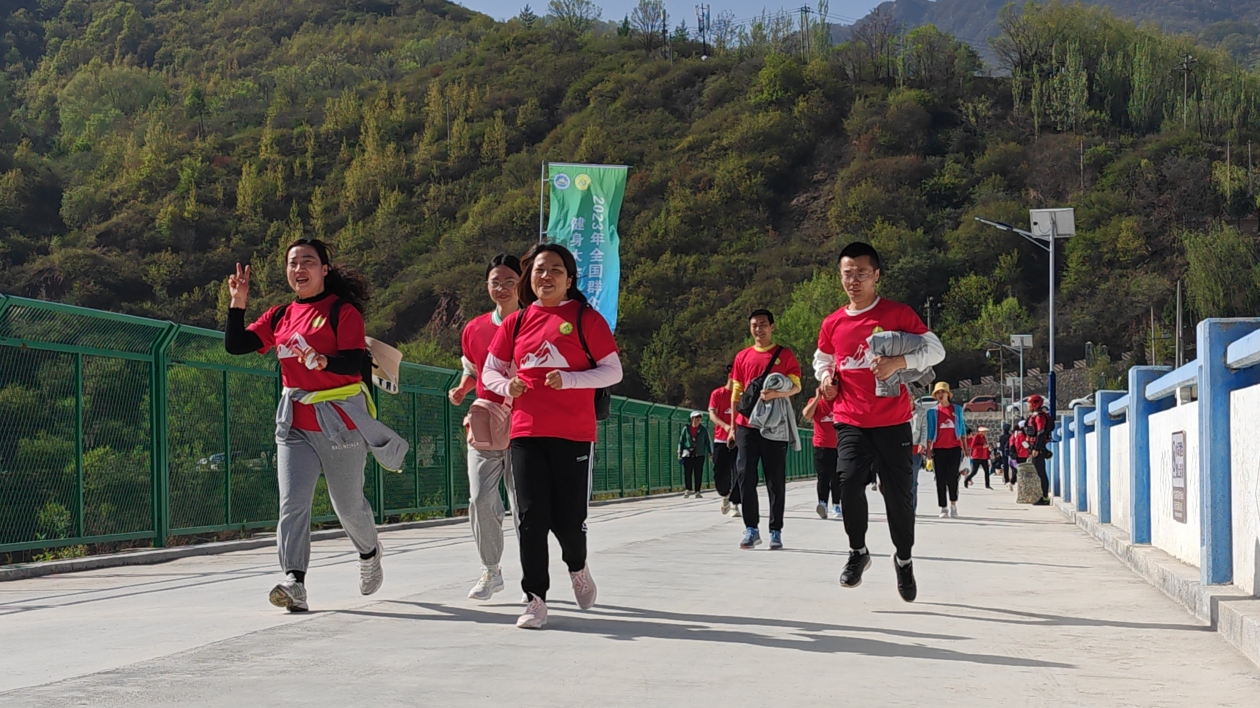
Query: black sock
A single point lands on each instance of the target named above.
(298, 575)
(367, 556)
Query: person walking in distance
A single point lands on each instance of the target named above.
(487, 467)
(748, 373)
(1042, 426)
(979, 446)
(872, 431)
(946, 432)
(326, 421)
(818, 412)
(721, 413)
(1004, 457)
(553, 357)
(694, 447)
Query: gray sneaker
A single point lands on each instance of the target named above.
(491, 582)
(370, 574)
(289, 594)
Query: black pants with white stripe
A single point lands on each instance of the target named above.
(553, 490)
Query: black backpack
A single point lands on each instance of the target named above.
(334, 316)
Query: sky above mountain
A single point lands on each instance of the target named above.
(842, 11)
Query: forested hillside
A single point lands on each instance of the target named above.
(146, 146)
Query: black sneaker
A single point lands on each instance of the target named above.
(1045, 501)
(906, 587)
(857, 564)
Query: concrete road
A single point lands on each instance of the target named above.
(1016, 607)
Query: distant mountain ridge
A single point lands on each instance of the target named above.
(1233, 25)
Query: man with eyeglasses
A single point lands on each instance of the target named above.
(872, 432)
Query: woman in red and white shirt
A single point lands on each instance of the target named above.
(315, 356)
(538, 358)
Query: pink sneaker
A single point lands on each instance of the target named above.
(583, 588)
(535, 615)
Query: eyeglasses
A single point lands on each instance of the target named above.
(856, 276)
(503, 284)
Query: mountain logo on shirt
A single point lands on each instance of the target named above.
(861, 359)
(946, 424)
(291, 347)
(546, 356)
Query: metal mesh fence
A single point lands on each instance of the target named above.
(121, 428)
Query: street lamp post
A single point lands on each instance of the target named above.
(1048, 225)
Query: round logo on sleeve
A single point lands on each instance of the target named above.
(566, 328)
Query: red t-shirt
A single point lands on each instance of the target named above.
(946, 428)
(720, 402)
(979, 447)
(475, 341)
(750, 364)
(824, 425)
(845, 336)
(1017, 446)
(304, 325)
(548, 341)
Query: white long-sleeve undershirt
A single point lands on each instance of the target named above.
(497, 374)
(931, 354)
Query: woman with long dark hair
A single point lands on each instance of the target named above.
(326, 420)
(488, 462)
(550, 357)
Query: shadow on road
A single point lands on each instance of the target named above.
(1023, 617)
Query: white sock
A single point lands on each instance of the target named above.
(901, 563)
(862, 550)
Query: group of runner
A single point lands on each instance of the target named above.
(541, 363)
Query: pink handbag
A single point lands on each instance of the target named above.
(488, 425)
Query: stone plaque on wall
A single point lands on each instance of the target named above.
(1179, 476)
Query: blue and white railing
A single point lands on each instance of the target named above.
(1201, 502)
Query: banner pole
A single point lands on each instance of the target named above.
(542, 180)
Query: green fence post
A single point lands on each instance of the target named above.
(78, 443)
(227, 451)
(446, 445)
(158, 411)
(415, 443)
(621, 449)
(647, 444)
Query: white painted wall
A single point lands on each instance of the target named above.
(1120, 478)
(1091, 470)
(1245, 485)
(1177, 539)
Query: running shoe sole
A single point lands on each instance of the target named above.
(864, 569)
(281, 598)
(821, 510)
(756, 542)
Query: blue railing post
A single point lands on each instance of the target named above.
(1056, 462)
(1069, 438)
(1104, 399)
(1216, 381)
(1081, 458)
(1140, 411)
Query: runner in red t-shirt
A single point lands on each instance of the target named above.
(487, 467)
(818, 412)
(538, 359)
(872, 432)
(751, 364)
(979, 447)
(947, 430)
(721, 413)
(313, 357)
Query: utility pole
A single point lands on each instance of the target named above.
(805, 48)
(1187, 64)
(702, 26)
(1181, 351)
(928, 308)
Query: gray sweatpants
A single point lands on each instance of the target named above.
(300, 459)
(485, 506)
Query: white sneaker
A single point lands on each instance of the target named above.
(735, 511)
(687, 494)
(726, 506)
(699, 495)
(944, 513)
(370, 574)
(821, 510)
(953, 511)
(289, 594)
(583, 588)
(524, 598)
(534, 616)
(491, 582)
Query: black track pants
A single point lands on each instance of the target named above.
(859, 452)
(772, 454)
(553, 489)
(828, 478)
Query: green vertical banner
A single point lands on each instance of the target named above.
(585, 204)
